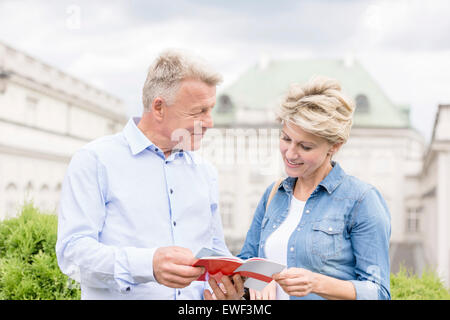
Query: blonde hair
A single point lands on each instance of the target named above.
(168, 70)
(320, 108)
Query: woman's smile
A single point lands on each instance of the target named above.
(293, 164)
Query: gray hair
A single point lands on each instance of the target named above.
(168, 70)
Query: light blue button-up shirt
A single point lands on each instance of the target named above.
(122, 199)
(343, 233)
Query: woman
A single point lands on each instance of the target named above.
(330, 229)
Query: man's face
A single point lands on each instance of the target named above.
(189, 116)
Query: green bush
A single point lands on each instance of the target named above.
(28, 265)
(29, 269)
(405, 285)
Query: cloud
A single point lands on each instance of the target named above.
(404, 43)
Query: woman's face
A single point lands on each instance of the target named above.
(303, 153)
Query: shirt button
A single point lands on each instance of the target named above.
(179, 292)
(156, 150)
(307, 211)
(298, 229)
(274, 226)
(330, 229)
(171, 190)
(292, 249)
(174, 223)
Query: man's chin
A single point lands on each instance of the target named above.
(192, 146)
(196, 143)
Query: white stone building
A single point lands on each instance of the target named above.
(45, 116)
(430, 199)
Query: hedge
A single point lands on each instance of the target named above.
(28, 265)
(29, 269)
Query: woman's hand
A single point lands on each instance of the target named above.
(296, 281)
(229, 289)
(268, 293)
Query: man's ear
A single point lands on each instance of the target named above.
(157, 108)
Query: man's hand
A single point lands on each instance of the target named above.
(172, 267)
(228, 289)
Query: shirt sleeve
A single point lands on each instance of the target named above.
(81, 216)
(370, 234)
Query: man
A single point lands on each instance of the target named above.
(135, 206)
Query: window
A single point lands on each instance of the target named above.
(224, 104)
(413, 220)
(11, 196)
(43, 201)
(29, 191)
(362, 103)
(3, 79)
(226, 210)
(113, 127)
(227, 214)
(31, 111)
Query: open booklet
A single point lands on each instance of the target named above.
(258, 271)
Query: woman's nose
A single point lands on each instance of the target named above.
(291, 152)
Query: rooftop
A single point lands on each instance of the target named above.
(263, 86)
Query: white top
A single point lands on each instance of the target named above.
(277, 243)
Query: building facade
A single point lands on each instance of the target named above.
(45, 116)
(430, 200)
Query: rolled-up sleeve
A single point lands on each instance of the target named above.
(81, 216)
(370, 235)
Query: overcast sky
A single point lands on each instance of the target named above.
(404, 44)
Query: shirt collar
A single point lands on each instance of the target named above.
(138, 142)
(330, 182)
(334, 178)
(135, 138)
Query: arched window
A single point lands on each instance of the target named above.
(29, 187)
(29, 191)
(11, 187)
(11, 199)
(362, 103)
(43, 198)
(224, 104)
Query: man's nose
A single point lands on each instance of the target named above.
(208, 121)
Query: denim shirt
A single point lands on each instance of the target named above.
(344, 232)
